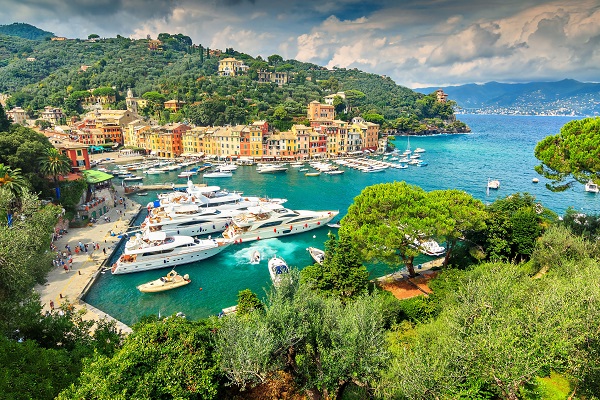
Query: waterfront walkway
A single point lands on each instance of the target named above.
(72, 285)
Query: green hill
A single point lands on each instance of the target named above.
(25, 31)
(56, 73)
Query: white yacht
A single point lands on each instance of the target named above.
(591, 187)
(274, 220)
(431, 248)
(270, 168)
(218, 174)
(212, 196)
(188, 219)
(277, 268)
(157, 250)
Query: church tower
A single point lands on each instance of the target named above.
(131, 102)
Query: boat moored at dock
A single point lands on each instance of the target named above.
(157, 250)
(273, 220)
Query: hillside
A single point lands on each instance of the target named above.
(36, 74)
(25, 31)
(566, 97)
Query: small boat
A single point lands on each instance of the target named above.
(228, 311)
(303, 169)
(591, 187)
(142, 194)
(334, 172)
(493, 184)
(255, 257)
(277, 268)
(133, 178)
(535, 180)
(419, 150)
(335, 225)
(171, 281)
(312, 173)
(317, 254)
(218, 175)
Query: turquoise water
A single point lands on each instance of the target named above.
(499, 147)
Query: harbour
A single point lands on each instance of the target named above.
(500, 146)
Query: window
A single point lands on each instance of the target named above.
(79, 153)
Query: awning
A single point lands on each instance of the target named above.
(93, 176)
(153, 153)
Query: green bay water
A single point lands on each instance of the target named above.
(499, 147)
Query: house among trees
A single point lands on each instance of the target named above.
(279, 78)
(174, 105)
(232, 67)
(52, 115)
(18, 115)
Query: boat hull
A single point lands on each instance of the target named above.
(156, 261)
(160, 285)
(239, 236)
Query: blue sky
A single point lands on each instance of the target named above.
(415, 42)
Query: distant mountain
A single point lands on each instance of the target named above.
(25, 31)
(566, 97)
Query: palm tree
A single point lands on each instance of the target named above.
(12, 180)
(54, 164)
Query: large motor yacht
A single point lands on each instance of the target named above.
(274, 220)
(157, 250)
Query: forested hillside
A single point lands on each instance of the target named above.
(25, 31)
(55, 73)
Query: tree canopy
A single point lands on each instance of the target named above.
(573, 154)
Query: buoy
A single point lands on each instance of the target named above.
(200, 288)
(291, 227)
(258, 238)
(319, 223)
(314, 236)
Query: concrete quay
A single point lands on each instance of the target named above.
(72, 285)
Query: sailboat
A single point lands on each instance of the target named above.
(407, 151)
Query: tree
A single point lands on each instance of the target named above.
(43, 124)
(24, 256)
(93, 36)
(248, 301)
(275, 59)
(4, 120)
(339, 104)
(169, 358)
(386, 219)
(12, 181)
(342, 275)
(462, 213)
(573, 153)
(323, 343)
(54, 164)
(498, 331)
(512, 227)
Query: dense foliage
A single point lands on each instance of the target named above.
(573, 154)
(181, 70)
(25, 31)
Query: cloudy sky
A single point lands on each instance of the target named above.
(415, 42)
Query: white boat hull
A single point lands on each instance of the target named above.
(201, 228)
(156, 261)
(239, 235)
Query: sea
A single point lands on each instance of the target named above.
(498, 147)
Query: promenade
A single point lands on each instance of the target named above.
(62, 286)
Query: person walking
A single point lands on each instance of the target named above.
(51, 305)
